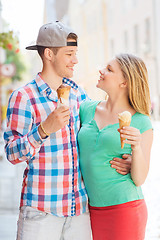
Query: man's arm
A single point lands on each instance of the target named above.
(22, 141)
(23, 137)
(122, 165)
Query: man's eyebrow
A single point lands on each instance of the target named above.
(71, 50)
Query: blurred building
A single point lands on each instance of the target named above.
(89, 20)
(91, 28)
(10, 177)
(133, 26)
(106, 28)
(55, 10)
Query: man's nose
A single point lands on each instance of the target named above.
(75, 60)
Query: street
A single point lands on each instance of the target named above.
(150, 188)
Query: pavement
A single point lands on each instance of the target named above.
(8, 225)
(8, 220)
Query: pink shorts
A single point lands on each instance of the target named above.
(120, 222)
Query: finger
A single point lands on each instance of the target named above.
(129, 128)
(66, 122)
(119, 160)
(129, 133)
(130, 137)
(126, 157)
(63, 108)
(65, 114)
(66, 118)
(122, 172)
(130, 142)
(122, 167)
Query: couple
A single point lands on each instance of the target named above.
(54, 203)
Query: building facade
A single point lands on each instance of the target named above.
(88, 19)
(106, 28)
(133, 27)
(10, 176)
(55, 10)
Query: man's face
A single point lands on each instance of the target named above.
(64, 61)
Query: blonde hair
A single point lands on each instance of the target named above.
(135, 72)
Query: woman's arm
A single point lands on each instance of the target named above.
(141, 149)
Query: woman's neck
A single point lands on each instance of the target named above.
(119, 104)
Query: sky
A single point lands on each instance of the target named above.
(24, 17)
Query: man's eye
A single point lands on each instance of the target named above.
(109, 69)
(69, 54)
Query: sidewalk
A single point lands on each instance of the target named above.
(8, 226)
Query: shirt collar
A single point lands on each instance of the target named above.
(42, 85)
(44, 88)
(70, 83)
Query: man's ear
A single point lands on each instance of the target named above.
(48, 54)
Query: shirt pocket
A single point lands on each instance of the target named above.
(29, 213)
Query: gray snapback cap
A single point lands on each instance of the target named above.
(53, 35)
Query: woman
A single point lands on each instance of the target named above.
(117, 207)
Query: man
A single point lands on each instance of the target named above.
(53, 200)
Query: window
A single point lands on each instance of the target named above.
(147, 35)
(126, 41)
(126, 5)
(111, 12)
(82, 1)
(136, 39)
(134, 3)
(112, 47)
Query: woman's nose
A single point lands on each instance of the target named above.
(101, 71)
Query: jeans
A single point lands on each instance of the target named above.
(36, 225)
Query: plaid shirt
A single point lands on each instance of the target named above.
(52, 180)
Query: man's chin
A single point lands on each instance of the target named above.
(68, 76)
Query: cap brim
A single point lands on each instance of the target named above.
(34, 47)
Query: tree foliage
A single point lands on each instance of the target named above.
(9, 41)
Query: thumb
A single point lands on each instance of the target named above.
(125, 156)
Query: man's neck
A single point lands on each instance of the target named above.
(51, 79)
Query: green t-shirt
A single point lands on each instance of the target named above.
(106, 187)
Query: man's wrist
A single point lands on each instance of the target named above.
(42, 131)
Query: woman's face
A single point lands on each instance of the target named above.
(111, 77)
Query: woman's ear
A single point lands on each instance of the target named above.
(124, 84)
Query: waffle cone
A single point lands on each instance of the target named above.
(63, 92)
(121, 125)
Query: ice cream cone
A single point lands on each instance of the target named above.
(124, 120)
(63, 94)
